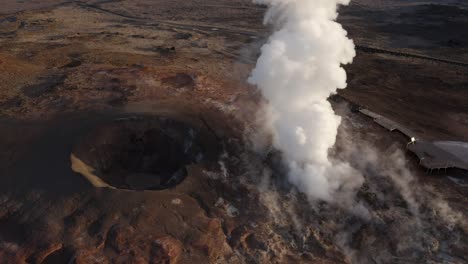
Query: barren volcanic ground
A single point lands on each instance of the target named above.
(126, 136)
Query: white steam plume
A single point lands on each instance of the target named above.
(299, 68)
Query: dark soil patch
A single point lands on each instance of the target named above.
(180, 80)
(45, 85)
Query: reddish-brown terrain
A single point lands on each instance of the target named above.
(73, 73)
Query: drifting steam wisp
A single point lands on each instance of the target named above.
(299, 68)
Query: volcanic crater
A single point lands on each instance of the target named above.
(143, 152)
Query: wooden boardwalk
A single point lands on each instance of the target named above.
(432, 154)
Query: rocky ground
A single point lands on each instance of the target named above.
(68, 67)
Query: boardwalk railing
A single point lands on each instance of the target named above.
(407, 55)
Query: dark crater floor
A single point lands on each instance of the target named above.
(144, 153)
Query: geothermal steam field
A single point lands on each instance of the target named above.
(265, 131)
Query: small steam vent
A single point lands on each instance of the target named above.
(142, 153)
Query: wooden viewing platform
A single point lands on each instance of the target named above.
(432, 154)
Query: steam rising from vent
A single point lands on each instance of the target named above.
(299, 68)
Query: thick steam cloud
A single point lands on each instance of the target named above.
(299, 68)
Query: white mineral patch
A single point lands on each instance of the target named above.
(176, 201)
